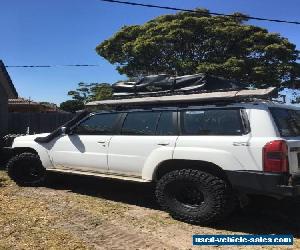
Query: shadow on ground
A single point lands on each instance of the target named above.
(134, 193)
(264, 216)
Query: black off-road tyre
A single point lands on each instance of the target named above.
(194, 196)
(26, 169)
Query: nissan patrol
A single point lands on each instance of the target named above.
(202, 156)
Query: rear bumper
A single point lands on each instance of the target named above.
(270, 184)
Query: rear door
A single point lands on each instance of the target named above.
(288, 125)
(144, 135)
(218, 135)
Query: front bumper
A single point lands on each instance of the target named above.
(270, 184)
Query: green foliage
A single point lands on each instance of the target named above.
(189, 43)
(48, 104)
(72, 105)
(91, 92)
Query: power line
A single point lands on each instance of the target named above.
(195, 11)
(50, 66)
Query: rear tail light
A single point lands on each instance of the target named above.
(275, 157)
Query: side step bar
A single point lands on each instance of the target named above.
(97, 174)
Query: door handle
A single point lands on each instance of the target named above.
(103, 143)
(240, 143)
(163, 143)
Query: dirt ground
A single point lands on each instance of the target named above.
(76, 212)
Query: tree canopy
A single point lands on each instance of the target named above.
(86, 92)
(189, 43)
(91, 91)
(72, 105)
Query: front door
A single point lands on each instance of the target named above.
(85, 147)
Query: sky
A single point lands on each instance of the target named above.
(57, 32)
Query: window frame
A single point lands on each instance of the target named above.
(114, 127)
(275, 120)
(174, 121)
(177, 120)
(243, 119)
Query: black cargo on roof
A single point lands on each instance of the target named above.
(166, 83)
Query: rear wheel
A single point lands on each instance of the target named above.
(26, 169)
(194, 196)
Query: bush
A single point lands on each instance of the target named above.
(72, 105)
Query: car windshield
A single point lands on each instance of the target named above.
(287, 121)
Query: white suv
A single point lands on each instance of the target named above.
(201, 157)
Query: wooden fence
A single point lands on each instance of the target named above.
(37, 122)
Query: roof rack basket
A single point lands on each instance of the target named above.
(188, 98)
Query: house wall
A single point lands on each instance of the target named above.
(3, 111)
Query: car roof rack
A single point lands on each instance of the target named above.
(215, 97)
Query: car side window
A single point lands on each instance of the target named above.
(165, 124)
(212, 122)
(140, 123)
(99, 124)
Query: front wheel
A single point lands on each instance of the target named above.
(193, 196)
(26, 169)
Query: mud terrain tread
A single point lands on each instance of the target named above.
(219, 188)
(13, 171)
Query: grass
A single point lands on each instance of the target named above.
(77, 214)
(27, 223)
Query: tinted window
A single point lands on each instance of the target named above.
(165, 124)
(212, 122)
(101, 124)
(140, 123)
(287, 121)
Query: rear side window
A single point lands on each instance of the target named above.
(99, 124)
(149, 123)
(212, 122)
(287, 121)
(140, 123)
(165, 124)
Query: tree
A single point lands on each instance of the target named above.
(91, 92)
(49, 104)
(101, 91)
(72, 105)
(189, 43)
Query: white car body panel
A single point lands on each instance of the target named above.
(81, 152)
(132, 155)
(42, 150)
(294, 154)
